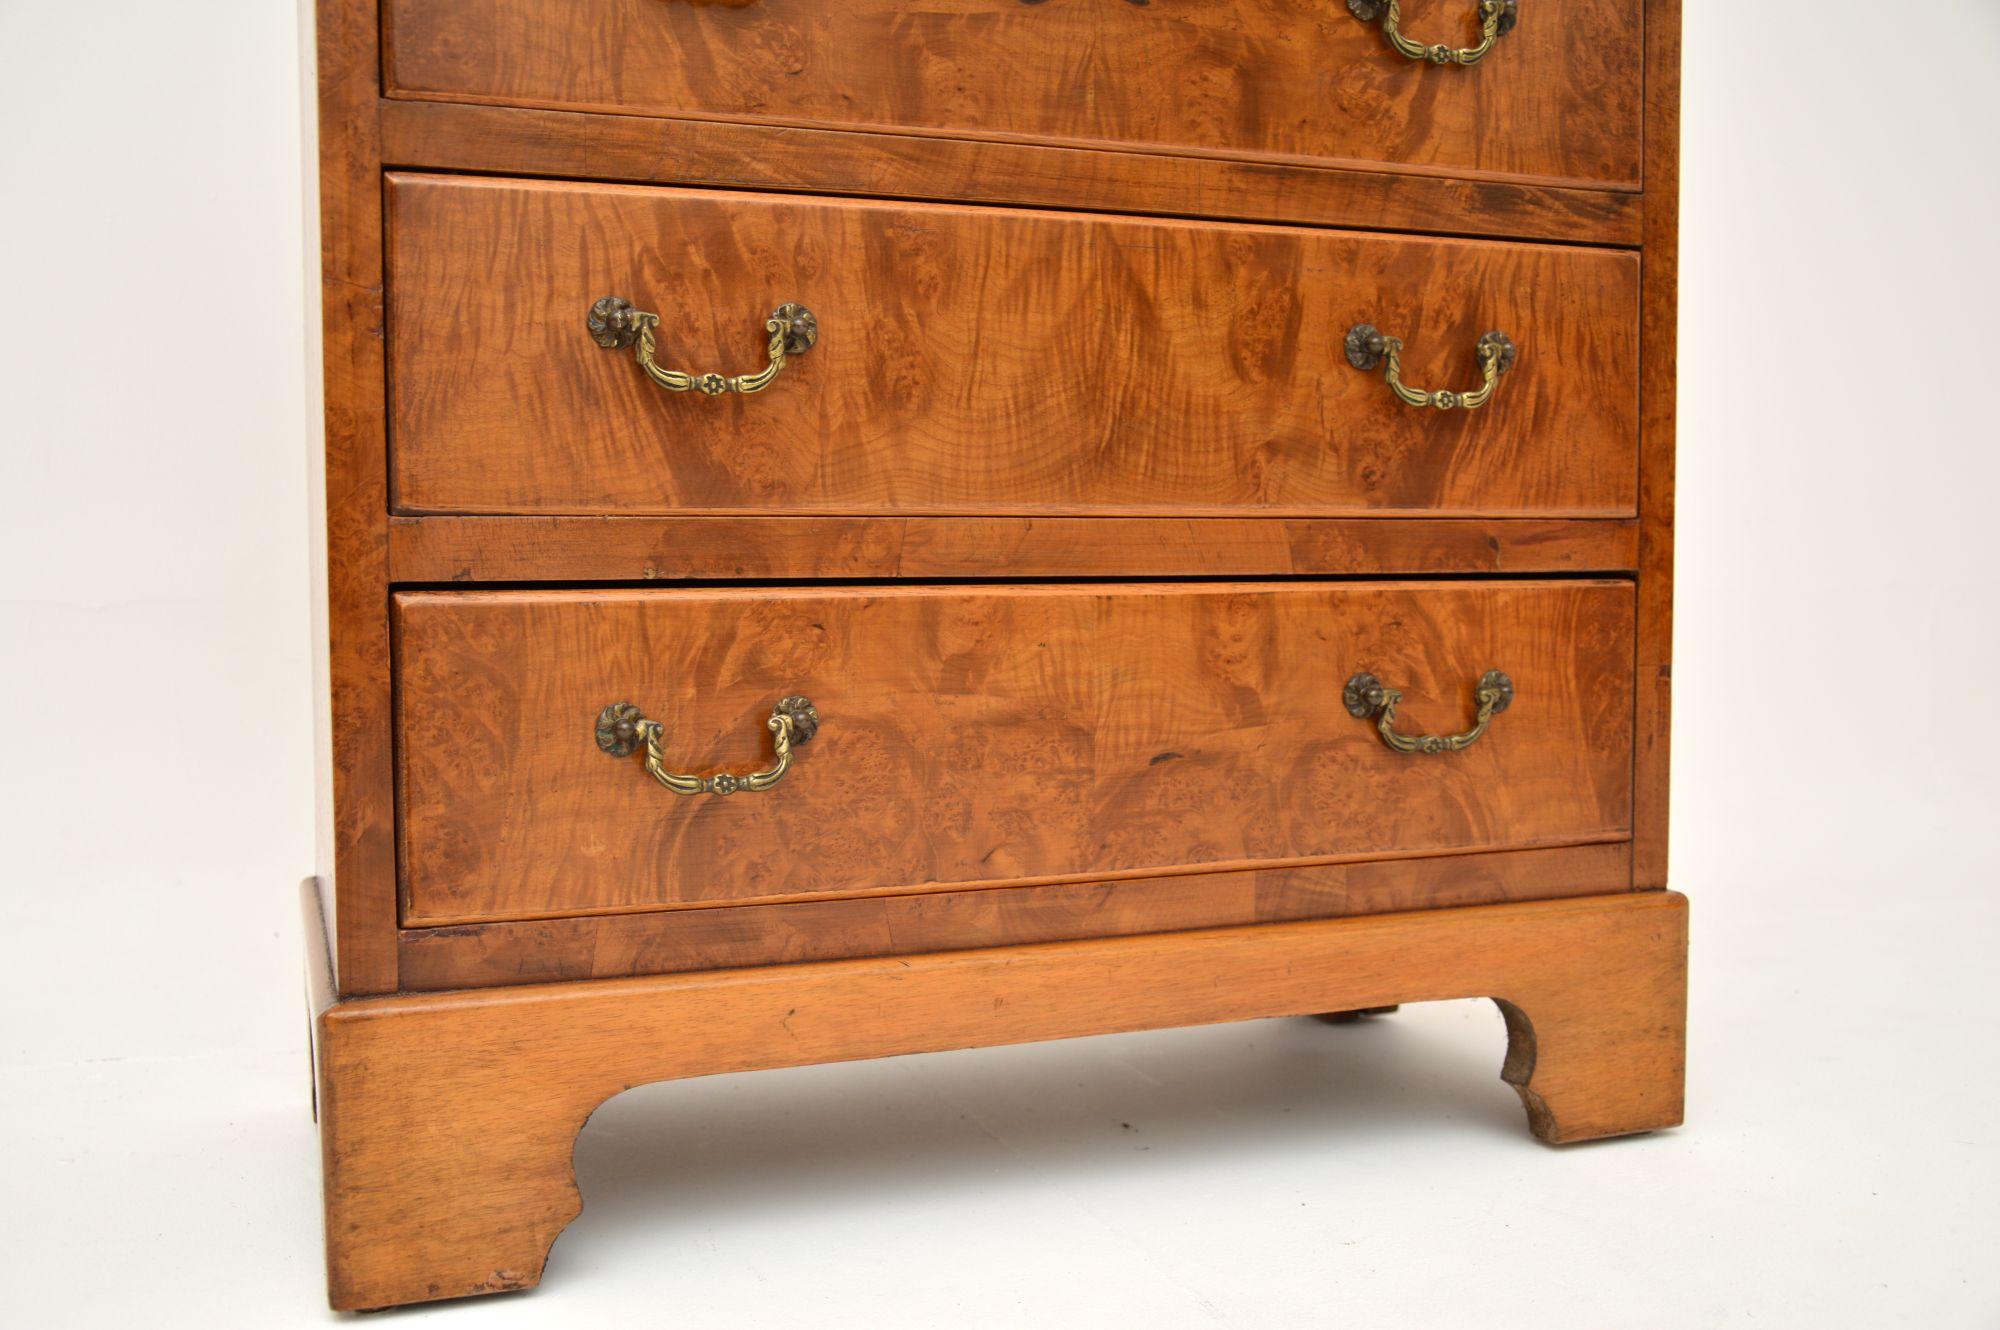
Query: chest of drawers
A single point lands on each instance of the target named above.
(852, 530)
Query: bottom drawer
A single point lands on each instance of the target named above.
(986, 737)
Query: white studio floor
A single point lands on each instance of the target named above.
(1840, 1167)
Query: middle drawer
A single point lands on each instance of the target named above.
(987, 736)
(989, 361)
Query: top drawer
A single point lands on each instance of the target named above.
(1557, 98)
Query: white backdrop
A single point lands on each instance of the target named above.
(1834, 785)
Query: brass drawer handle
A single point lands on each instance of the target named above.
(1368, 347)
(621, 730)
(613, 323)
(1365, 696)
(1496, 20)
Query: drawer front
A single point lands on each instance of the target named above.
(1557, 98)
(989, 361)
(983, 737)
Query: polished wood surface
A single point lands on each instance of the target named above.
(450, 548)
(568, 144)
(1559, 99)
(988, 735)
(448, 1121)
(1659, 336)
(980, 360)
(359, 130)
(1082, 268)
(669, 941)
(350, 492)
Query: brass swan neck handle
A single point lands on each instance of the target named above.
(1365, 696)
(614, 324)
(1496, 20)
(1368, 347)
(622, 730)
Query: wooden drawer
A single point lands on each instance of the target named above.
(988, 361)
(1557, 98)
(988, 736)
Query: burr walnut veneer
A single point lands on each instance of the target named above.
(1014, 361)
(854, 530)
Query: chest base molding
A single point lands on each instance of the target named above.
(1594, 991)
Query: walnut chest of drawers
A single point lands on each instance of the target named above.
(855, 528)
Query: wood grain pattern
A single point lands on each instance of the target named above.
(352, 494)
(623, 549)
(987, 735)
(502, 140)
(672, 941)
(1144, 801)
(448, 1121)
(1558, 101)
(1659, 391)
(988, 361)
